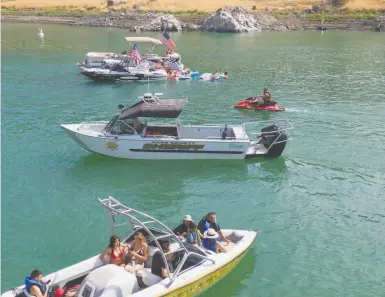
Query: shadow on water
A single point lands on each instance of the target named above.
(139, 171)
(233, 283)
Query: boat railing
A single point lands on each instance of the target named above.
(115, 208)
(93, 123)
(283, 127)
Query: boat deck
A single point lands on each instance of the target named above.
(256, 149)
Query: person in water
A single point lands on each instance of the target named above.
(215, 75)
(115, 250)
(35, 285)
(210, 221)
(138, 252)
(211, 242)
(225, 75)
(193, 236)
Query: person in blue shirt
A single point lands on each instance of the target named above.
(211, 242)
(210, 221)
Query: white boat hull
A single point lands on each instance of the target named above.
(150, 148)
(190, 283)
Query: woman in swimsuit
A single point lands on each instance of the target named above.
(115, 250)
(138, 252)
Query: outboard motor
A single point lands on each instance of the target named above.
(273, 134)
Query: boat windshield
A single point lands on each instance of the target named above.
(111, 123)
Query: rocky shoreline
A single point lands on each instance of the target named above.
(229, 19)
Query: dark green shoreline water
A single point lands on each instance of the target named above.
(319, 208)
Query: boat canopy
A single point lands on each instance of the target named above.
(154, 108)
(153, 41)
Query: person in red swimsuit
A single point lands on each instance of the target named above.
(116, 251)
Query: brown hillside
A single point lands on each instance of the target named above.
(201, 5)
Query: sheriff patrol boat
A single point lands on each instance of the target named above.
(127, 136)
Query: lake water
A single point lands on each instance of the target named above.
(319, 208)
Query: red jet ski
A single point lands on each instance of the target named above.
(250, 103)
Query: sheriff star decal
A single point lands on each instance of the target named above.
(112, 145)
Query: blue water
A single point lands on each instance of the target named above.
(319, 208)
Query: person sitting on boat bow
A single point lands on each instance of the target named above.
(211, 242)
(35, 285)
(116, 251)
(182, 229)
(209, 221)
(138, 252)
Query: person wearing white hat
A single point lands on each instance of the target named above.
(182, 229)
(211, 242)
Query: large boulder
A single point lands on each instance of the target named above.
(235, 19)
(162, 22)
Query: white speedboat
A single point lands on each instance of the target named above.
(127, 136)
(191, 270)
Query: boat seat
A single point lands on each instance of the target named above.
(149, 278)
(139, 125)
(151, 250)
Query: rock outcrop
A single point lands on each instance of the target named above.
(162, 22)
(234, 19)
(270, 23)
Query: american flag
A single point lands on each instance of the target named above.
(172, 63)
(166, 40)
(135, 53)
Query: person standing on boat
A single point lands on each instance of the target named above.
(182, 229)
(35, 285)
(210, 221)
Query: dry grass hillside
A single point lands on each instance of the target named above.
(200, 5)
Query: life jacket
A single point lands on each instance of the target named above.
(31, 282)
(210, 243)
(191, 237)
(267, 96)
(206, 226)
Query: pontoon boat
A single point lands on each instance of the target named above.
(191, 269)
(123, 71)
(127, 136)
(97, 59)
